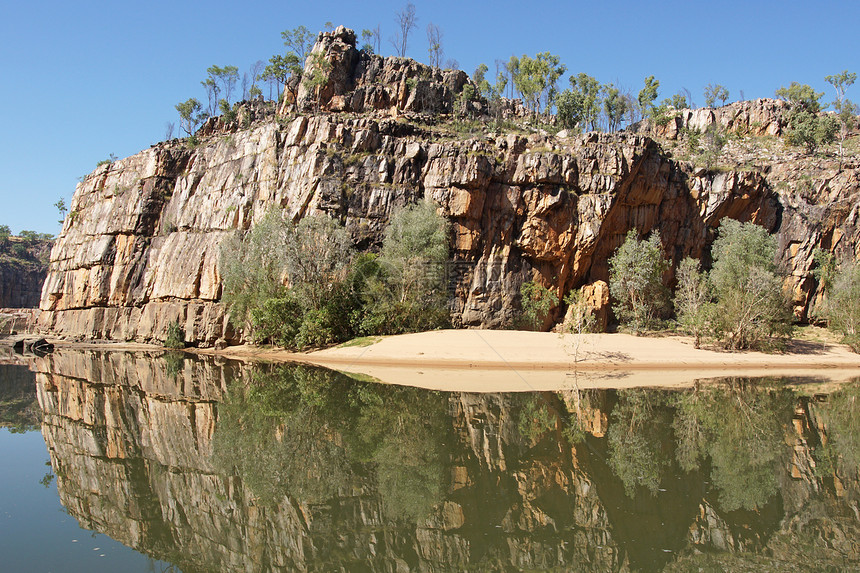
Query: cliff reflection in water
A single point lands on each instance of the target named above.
(222, 466)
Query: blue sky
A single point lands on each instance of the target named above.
(87, 79)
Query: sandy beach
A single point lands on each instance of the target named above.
(511, 361)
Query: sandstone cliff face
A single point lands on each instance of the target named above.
(140, 250)
(358, 82)
(757, 117)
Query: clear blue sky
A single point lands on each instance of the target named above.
(87, 79)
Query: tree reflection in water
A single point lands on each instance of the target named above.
(316, 470)
(312, 433)
(742, 428)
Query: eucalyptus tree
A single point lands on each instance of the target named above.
(614, 106)
(801, 96)
(536, 80)
(371, 39)
(281, 69)
(636, 281)
(479, 76)
(806, 127)
(299, 40)
(751, 307)
(714, 92)
(224, 78)
(587, 91)
(191, 115)
(648, 94)
(406, 22)
(434, 44)
(846, 110)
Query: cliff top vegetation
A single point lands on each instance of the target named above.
(124, 68)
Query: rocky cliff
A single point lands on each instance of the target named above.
(139, 249)
(23, 268)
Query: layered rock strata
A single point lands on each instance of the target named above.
(141, 249)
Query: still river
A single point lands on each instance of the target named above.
(119, 461)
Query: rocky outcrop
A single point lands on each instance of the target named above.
(758, 117)
(140, 250)
(359, 82)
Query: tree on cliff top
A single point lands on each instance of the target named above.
(434, 44)
(225, 78)
(579, 107)
(406, 20)
(282, 68)
(806, 127)
(648, 94)
(802, 96)
(191, 115)
(372, 41)
(846, 110)
(299, 40)
(714, 92)
(614, 106)
(536, 79)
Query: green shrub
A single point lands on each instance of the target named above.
(636, 282)
(277, 320)
(252, 266)
(811, 130)
(175, 336)
(333, 295)
(741, 301)
(752, 310)
(537, 302)
(843, 306)
(693, 306)
(313, 256)
(405, 289)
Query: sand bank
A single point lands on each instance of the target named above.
(510, 361)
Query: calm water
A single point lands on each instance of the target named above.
(36, 531)
(196, 465)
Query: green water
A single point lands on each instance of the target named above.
(36, 531)
(199, 465)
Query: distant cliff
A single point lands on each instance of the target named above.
(139, 250)
(23, 268)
